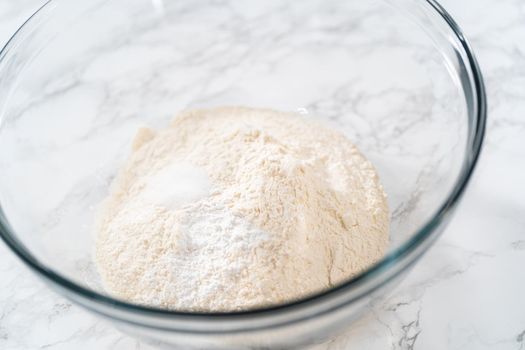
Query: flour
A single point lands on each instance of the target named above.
(234, 208)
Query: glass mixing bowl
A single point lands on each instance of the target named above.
(79, 77)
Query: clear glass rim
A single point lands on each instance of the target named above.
(389, 261)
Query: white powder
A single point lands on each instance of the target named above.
(175, 185)
(234, 208)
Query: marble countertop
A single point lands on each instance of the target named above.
(466, 293)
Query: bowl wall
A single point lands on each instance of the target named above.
(81, 77)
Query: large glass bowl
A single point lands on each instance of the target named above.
(79, 78)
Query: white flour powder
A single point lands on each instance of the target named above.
(233, 208)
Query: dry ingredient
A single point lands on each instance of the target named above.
(233, 208)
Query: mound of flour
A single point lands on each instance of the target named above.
(234, 208)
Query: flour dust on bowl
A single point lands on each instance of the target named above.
(79, 79)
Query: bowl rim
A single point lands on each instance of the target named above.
(422, 235)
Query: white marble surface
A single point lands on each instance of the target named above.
(466, 293)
